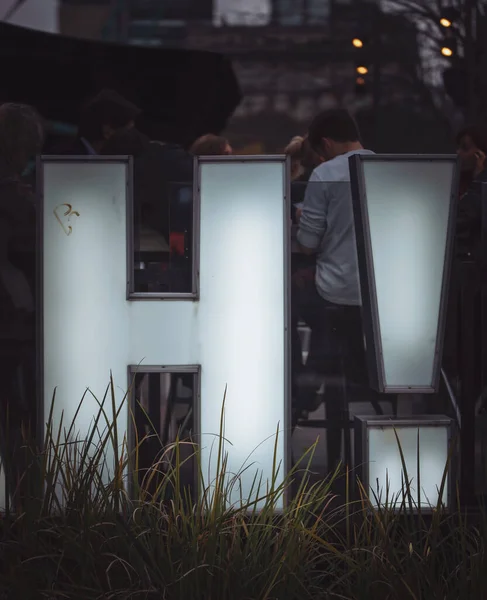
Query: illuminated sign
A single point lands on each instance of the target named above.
(379, 442)
(232, 327)
(404, 209)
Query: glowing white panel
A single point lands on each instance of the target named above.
(251, 13)
(86, 318)
(403, 210)
(242, 313)
(236, 330)
(386, 477)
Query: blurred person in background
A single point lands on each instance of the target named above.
(156, 166)
(327, 231)
(21, 138)
(298, 186)
(471, 144)
(472, 152)
(147, 181)
(211, 145)
(327, 227)
(470, 141)
(310, 159)
(104, 115)
(295, 152)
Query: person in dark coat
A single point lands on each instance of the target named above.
(104, 115)
(472, 151)
(156, 166)
(21, 136)
(211, 145)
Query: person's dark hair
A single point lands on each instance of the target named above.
(127, 142)
(209, 145)
(21, 137)
(106, 108)
(336, 124)
(311, 158)
(478, 133)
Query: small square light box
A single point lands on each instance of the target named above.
(404, 210)
(379, 442)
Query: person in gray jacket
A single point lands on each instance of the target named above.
(326, 230)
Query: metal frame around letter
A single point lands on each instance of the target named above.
(286, 430)
(370, 312)
(40, 162)
(195, 260)
(362, 426)
(194, 295)
(134, 370)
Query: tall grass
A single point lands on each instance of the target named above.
(84, 532)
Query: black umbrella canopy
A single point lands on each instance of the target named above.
(183, 93)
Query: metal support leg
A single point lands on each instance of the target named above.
(467, 350)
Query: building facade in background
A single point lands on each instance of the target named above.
(292, 57)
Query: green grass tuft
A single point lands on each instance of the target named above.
(83, 532)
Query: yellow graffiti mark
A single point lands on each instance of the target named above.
(63, 214)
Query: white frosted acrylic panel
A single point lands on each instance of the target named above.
(386, 469)
(236, 331)
(408, 205)
(86, 316)
(242, 314)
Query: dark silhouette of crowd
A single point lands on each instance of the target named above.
(21, 137)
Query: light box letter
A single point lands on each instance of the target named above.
(387, 479)
(233, 326)
(404, 210)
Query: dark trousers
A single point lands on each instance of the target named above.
(336, 332)
(336, 352)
